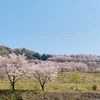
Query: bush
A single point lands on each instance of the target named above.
(55, 87)
(94, 87)
(72, 87)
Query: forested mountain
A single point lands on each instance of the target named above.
(28, 53)
(79, 62)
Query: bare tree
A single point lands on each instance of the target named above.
(13, 68)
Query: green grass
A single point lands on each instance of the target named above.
(61, 83)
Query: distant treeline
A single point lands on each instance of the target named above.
(28, 53)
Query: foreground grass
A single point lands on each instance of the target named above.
(40, 95)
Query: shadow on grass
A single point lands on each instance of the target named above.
(16, 94)
(7, 91)
(40, 95)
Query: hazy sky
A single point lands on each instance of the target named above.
(51, 26)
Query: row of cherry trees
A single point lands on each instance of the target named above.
(90, 60)
(15, 67)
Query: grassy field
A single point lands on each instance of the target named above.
(62, 88)
(62, 83)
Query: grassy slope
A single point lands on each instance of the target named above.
(54, 90)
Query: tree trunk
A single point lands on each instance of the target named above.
(76, 87)
(42, 86)
(13, 86)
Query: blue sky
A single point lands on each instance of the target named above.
(51, 26)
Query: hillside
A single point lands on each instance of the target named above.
(92, 62)
(79, 62)
(28, 53)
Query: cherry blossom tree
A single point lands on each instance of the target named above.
(13, 67)
(43, 72)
